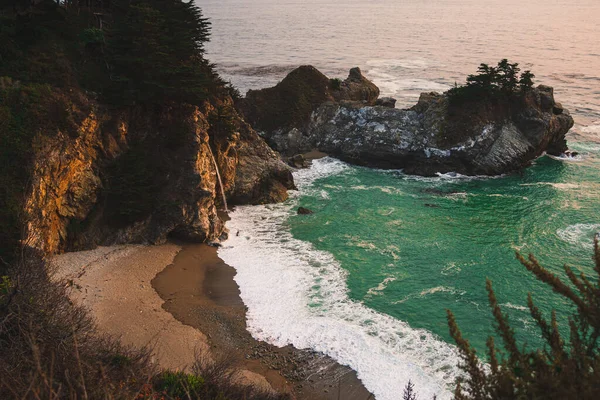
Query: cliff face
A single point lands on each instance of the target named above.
(139, 175)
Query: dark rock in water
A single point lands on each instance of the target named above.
(304, 211)
(298, 161)
(389, 102)
(569, 153)
(477, 136)
(431, 205)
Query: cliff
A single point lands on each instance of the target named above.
(477, 136)
(142, 174)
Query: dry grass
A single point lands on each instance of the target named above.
(49, 349)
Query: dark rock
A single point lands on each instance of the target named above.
(282, 113)
(357, 88)
(558, 109)
(386, 102)
(298, 161)
(162, 181)
(304, 211)
(480, 138)
(546, 97)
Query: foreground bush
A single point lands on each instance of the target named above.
(49, 349)
(566, 368)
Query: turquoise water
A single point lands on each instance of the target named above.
(414, 247)
(368, 277)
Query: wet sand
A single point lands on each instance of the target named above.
(198, 289)
(113, 283)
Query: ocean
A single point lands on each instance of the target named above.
(368, 277)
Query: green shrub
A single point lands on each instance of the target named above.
(336, 83)
(92, 36)
(566, 368)
(179, 384)
(502, 81)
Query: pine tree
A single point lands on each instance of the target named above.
(563, 369)
(157, 51)
(508, 76)
(526, 81)
(409, 392)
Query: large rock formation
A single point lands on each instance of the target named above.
(282, 113)
(143, 173)
(486, 136)
(475, 138)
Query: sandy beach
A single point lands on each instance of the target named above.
(182, 301)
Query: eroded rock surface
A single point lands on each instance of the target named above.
(141, 174)
(433, 137)
(282, 113)
(481, 136)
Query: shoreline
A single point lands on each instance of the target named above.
(182, 301)
(199, 290)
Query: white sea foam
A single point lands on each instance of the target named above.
(385, 74)
(297, 295)
(556, 185)
(382, 286)
(579, 234)
(515, 307)
(451, 269)
(568, 158)
(430, 291)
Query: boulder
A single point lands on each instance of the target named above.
(357, 88)
(298, 161)
(389, 102)
(304, 211)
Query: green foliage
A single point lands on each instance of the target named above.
(566, 368)
(502, 81)
(222, 121)
(156, 52)
(132, 187)
(526, 81)
(5, 287)
(92, 36)
(336, 83)
(179, 384)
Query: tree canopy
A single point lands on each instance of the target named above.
(501, 81)
(156, 49)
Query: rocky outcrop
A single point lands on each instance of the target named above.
(477, 138)
(487, 136)
(141, 174)
(282, 113)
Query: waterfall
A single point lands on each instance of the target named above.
(218, 177)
